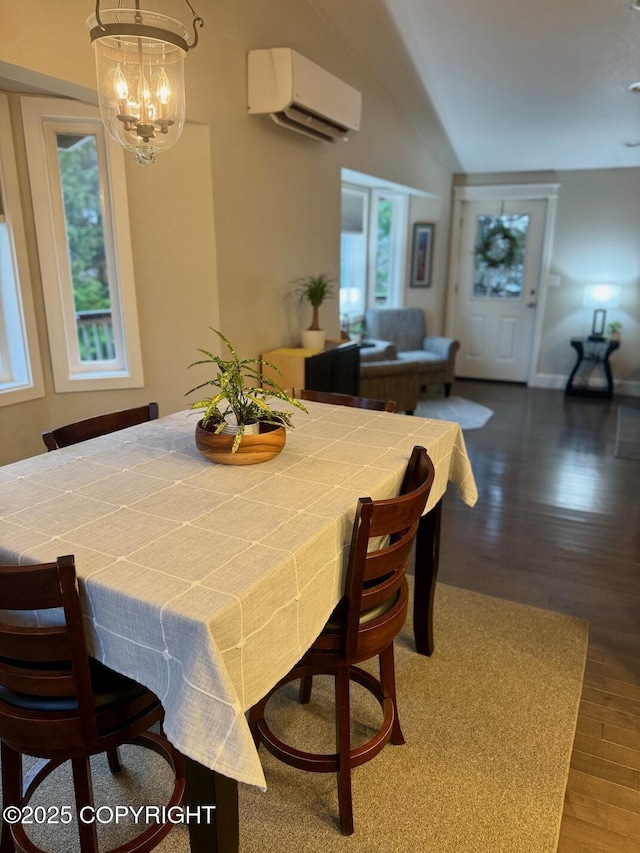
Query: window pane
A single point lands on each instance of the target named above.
(353, 266)
(383, 252)
(20, 373)
(353, 258)
(14, 358)
(500, 255)
(80, 183)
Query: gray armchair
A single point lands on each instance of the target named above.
(405, 329)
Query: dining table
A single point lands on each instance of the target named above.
(208, 582)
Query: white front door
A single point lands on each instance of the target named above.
(498, 280)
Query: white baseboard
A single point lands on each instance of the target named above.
(548, 380)
(623, 387)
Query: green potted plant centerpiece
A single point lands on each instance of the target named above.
(313, 289)
(239, 425)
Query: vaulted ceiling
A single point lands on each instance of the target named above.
(536, 85)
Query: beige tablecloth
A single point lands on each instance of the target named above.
(207, 582)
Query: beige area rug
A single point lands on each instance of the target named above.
(468, 414)
(489, 721)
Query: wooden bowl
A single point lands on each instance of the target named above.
(253, 448)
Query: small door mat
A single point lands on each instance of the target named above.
(628, 434)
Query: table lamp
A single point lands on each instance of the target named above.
(600, 297)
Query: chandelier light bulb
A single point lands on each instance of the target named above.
(120, 85)
(163, 91)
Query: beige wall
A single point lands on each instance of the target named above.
(224, 221)
(595, 241)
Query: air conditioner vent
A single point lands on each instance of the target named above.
(301, 96)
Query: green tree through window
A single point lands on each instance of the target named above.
(80, 184)
(383, 252)
(78, 158)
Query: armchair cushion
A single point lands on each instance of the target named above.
(371, 350)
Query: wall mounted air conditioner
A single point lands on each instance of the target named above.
(299, 95)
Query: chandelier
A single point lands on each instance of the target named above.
(140, 68)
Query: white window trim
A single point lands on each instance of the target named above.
(43, 117)
(23, 378)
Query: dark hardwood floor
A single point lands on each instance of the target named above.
(557, 525)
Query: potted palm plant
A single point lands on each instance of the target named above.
(313, 289)
(239, 425)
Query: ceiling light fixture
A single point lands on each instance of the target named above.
(140, 69)
(636, 5)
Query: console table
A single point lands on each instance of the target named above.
(334, 368)
(591, 352)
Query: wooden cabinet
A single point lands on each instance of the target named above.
(335, 368)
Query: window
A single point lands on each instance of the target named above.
(82, 224)
(387, 245)
(20, 371)
(499, 256)
(372, 251)
(353, 255)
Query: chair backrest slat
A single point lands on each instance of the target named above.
(55, 682)
(34, 643)
(65, 436)
(30, 587)
(345, 400)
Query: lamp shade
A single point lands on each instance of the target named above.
(140, 70)
(601, 296)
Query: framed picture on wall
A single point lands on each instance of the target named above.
(421, 254)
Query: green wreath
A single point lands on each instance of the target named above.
(499, 247)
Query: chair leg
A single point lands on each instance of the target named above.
(114, 760)
(388, 681)
(306, 683)
(84, 797)
(256, 714)
(343, 749)
(11, 791)
(447, 389)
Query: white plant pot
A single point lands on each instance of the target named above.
(313, 338)
(249, 429)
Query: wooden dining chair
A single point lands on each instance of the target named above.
(345, 400)
(58, 704)
(362, 626)
(100, 425)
